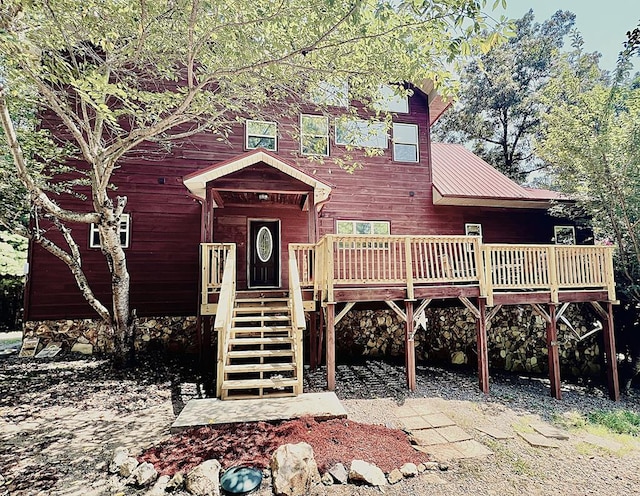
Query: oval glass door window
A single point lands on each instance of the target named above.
(264, 244)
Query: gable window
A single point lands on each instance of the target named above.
(390, 101)
(473, 230)
(314, 135)
(336, 95)
(367, 134)
(405, 142)
(261, 134)
(124, 231)
(380, 228)
(564, 235)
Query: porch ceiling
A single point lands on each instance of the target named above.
(252, 198)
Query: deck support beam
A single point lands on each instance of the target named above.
(554, 355)
(348, 306)
(410, 345)
(483, 354)
(313, 340)
(609, 348)
(331, 347)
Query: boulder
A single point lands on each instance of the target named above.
(327, 479)
(144, 475)
(339, 473)
(176, 482)
(409, 470)
(83, 348)
(294, 470)
(361, 471)
(394, 476)
(119, 456)
(128, 466)
(204, 480)
(159, 487)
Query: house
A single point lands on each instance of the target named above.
(252, 235)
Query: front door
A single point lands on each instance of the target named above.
(264, 253)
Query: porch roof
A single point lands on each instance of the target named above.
(197, 181)
(462, 178)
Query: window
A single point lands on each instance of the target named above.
(336, 95)
(473, 230)
(314, 135)
(261, 134)
(390, 101)
(125, 233)
(405, 142)
(381, 228)
(361, 133)
(564, 235)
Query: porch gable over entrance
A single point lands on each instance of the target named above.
(197, 181)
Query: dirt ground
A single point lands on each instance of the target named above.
(61, 419)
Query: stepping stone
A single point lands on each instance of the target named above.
(453, 433)
(422, 405)
(406, 411)
(494, 432)
(438, 420)
(427, 437)
(538, 440)
(472, 449)
(441, 452)
(602, 442)
(551, 432)
(415, 423)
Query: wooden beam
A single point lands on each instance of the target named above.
(305, 204)
(313, 340)
(481, 341)
(561, 310)
(470, 306)
(599, 310)
(611, 355)
(320, 336)
(344, 311)
(540, 311)
(554, 356)
(331, 347)
(218, 202)
(410, 346)
(492, 313)
(397, 310)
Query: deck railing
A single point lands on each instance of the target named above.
(298, 322)
(213, 258)
(224, 312)
(363, 260)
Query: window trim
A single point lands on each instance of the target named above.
(558, 228)
(416, 144)
(124, 229)
(247, 135)
(368, 123)
(469, 226)
(303, 134)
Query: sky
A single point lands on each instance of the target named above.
(602, 23)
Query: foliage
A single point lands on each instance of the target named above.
(13, 254)
(500, 106)
(618, 421)
(110, 75)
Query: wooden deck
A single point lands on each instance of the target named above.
(327, 278)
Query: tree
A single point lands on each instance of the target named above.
(115, 74)
(592, 141)
(500, 106)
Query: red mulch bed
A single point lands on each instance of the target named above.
(333, 441)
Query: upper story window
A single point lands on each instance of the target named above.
(314, 135)
(405, 143)
(564, 235)
(361, 133)
(261, 134)
(363, 227)
(334, 94)
(390, 101)
(124, 231)
(473, 230)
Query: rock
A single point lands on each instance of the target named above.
(128, 466)
(443, 467)
(339, 473)
(204, 480)
(143, 475)
(458, 358)
(2, 481)
(327, 479)
(294, 470)
(361, 471)
(409, 470)
(394, 476)
(83, 348)
(431, 465)
(421, 467)
(176, 482)
(119, 456)
(83, 340)
(159, 487)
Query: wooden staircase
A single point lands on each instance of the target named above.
(263, 350)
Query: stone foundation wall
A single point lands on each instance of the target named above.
(175, 334)
(516, 339)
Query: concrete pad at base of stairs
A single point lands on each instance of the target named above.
(538, 440)
(494, 432)
(212, 411)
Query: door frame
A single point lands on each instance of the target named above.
(249, 255)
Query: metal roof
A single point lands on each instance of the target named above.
(462, 178)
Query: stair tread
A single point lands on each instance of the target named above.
(267, 340)
(258, 353)
(263, 318)
(260, 300)
(259, 367)
(261, 309)
(259, 383)
(261, 329)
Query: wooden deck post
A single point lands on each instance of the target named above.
(554, 356)
(320, 336)
(331, 347)
(313, 340)
(483, 354)
(612, 358)
(410, 346)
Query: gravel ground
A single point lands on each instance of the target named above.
(61, 419)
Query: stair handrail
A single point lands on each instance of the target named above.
(224, 314)
(298, 322)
